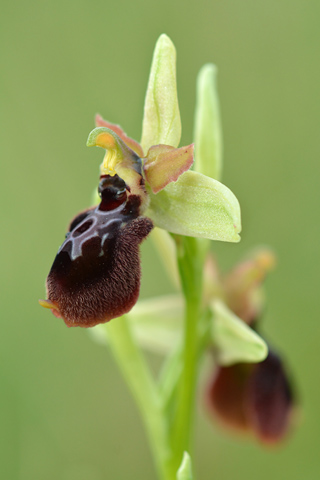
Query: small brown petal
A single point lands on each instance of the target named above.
(164, 164)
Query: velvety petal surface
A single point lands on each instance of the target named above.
(269, 400)
(96, 273)
(226, 394)
(255, 398)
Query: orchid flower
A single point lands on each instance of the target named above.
(251, 395)
(96, 274)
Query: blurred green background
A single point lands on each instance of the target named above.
(65, 412)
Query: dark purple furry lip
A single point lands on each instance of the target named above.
(96, 273)
(256, 398)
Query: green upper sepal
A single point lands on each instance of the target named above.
(233, 340)
(197, 206)
(161, 120)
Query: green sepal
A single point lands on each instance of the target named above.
(197, 206)
(208, 131)
(164, 164)
(185, 469)
(233, 340)
(156, 324)
(161, 121)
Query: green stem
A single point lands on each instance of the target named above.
(141, 383)
(188, 379)
(168, 445)
(190, 261)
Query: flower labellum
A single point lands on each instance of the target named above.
(254, 398)
(269, 399)
(96, 274)
(250, 390)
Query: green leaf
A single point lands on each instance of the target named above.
(234, 341)
(156, 324)
(208, 132)
(185, 471)
(161, 121)
(197, 206)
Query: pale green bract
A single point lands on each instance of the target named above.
(207, 131)
(161, 121)
(197, 206)
(185, 470)
(233, 340)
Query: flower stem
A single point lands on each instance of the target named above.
(141, 383)
(190, 262)
(168, 438)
